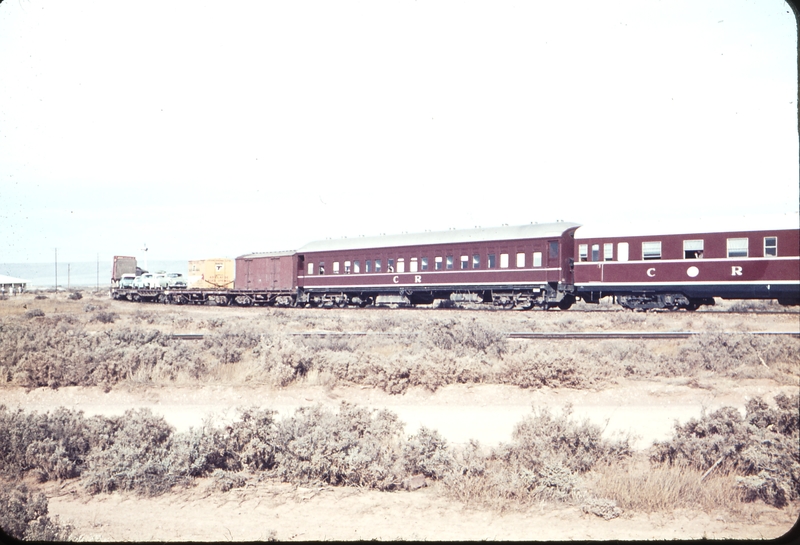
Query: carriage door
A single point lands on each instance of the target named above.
(247, 263)
(553, 262)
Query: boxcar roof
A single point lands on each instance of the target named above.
(478, 234)
(690, 226)
(267, 254)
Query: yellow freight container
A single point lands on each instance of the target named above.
(211, 273)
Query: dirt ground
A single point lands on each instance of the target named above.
(487, 412)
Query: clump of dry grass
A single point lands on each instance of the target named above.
(644, 488)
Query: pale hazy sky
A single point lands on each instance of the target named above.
(208, 129)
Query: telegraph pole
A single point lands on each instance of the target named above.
(56, 271)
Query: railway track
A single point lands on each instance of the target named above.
(549, 335)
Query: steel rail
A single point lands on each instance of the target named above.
(635, 334)
(548, 335)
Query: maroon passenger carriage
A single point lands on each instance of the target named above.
(523, 266)
(687, 266)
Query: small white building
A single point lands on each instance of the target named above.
(11, 285)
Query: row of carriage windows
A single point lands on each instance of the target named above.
(439, 263)
(692, 249)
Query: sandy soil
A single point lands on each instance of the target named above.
(327, 513)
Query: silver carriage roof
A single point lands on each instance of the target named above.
(455, 236)
(685, 226)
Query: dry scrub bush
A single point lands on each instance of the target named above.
(463, 336)
(426, 453)
(61, 353)
(746, 356)
(544, 461)
(23, 515)
(354, 447)
(762, 447)
(139, 458)
(50, 446)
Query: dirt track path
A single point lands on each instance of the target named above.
(487, 413)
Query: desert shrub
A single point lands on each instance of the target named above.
(464, 335)
(144, 316)
(541, 370)
(426, 452)
(23, 515)
(39, 353)
(544, 461)
(355, 447)
(105, 317)
(228, 344)
(199, 452)
(33, 313)
(762, 446)
(601, 507)
(40, 297)
(51, 446)
(75, 296)
(729, 353)
(227, 480)
(88, 307)
(283, 359)
(253, 438)
(138, 458)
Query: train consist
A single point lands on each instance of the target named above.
(536, 266)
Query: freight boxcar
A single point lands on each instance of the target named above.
(270, 273)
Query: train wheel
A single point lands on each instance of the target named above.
(566, 302)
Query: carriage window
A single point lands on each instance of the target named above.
(583, 252)
(401, 264)
(770, 246)
(347, 267)
(608, 251)
(490, 261)
(476, 261)
(622, 251)
(377, 265)
(464, 262)
(335, 267)
(651, 250)
(412, 266)
(390, 265)
(449, 262)
(553, 249)
(368, 265)
(537, 259)
(503, 261)
(321, 267)
(438, 263)
(737, 247)
(356, 266)
(310, 268)
(595, 252)
(424, 264)
(520, 259)
(692, 249)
